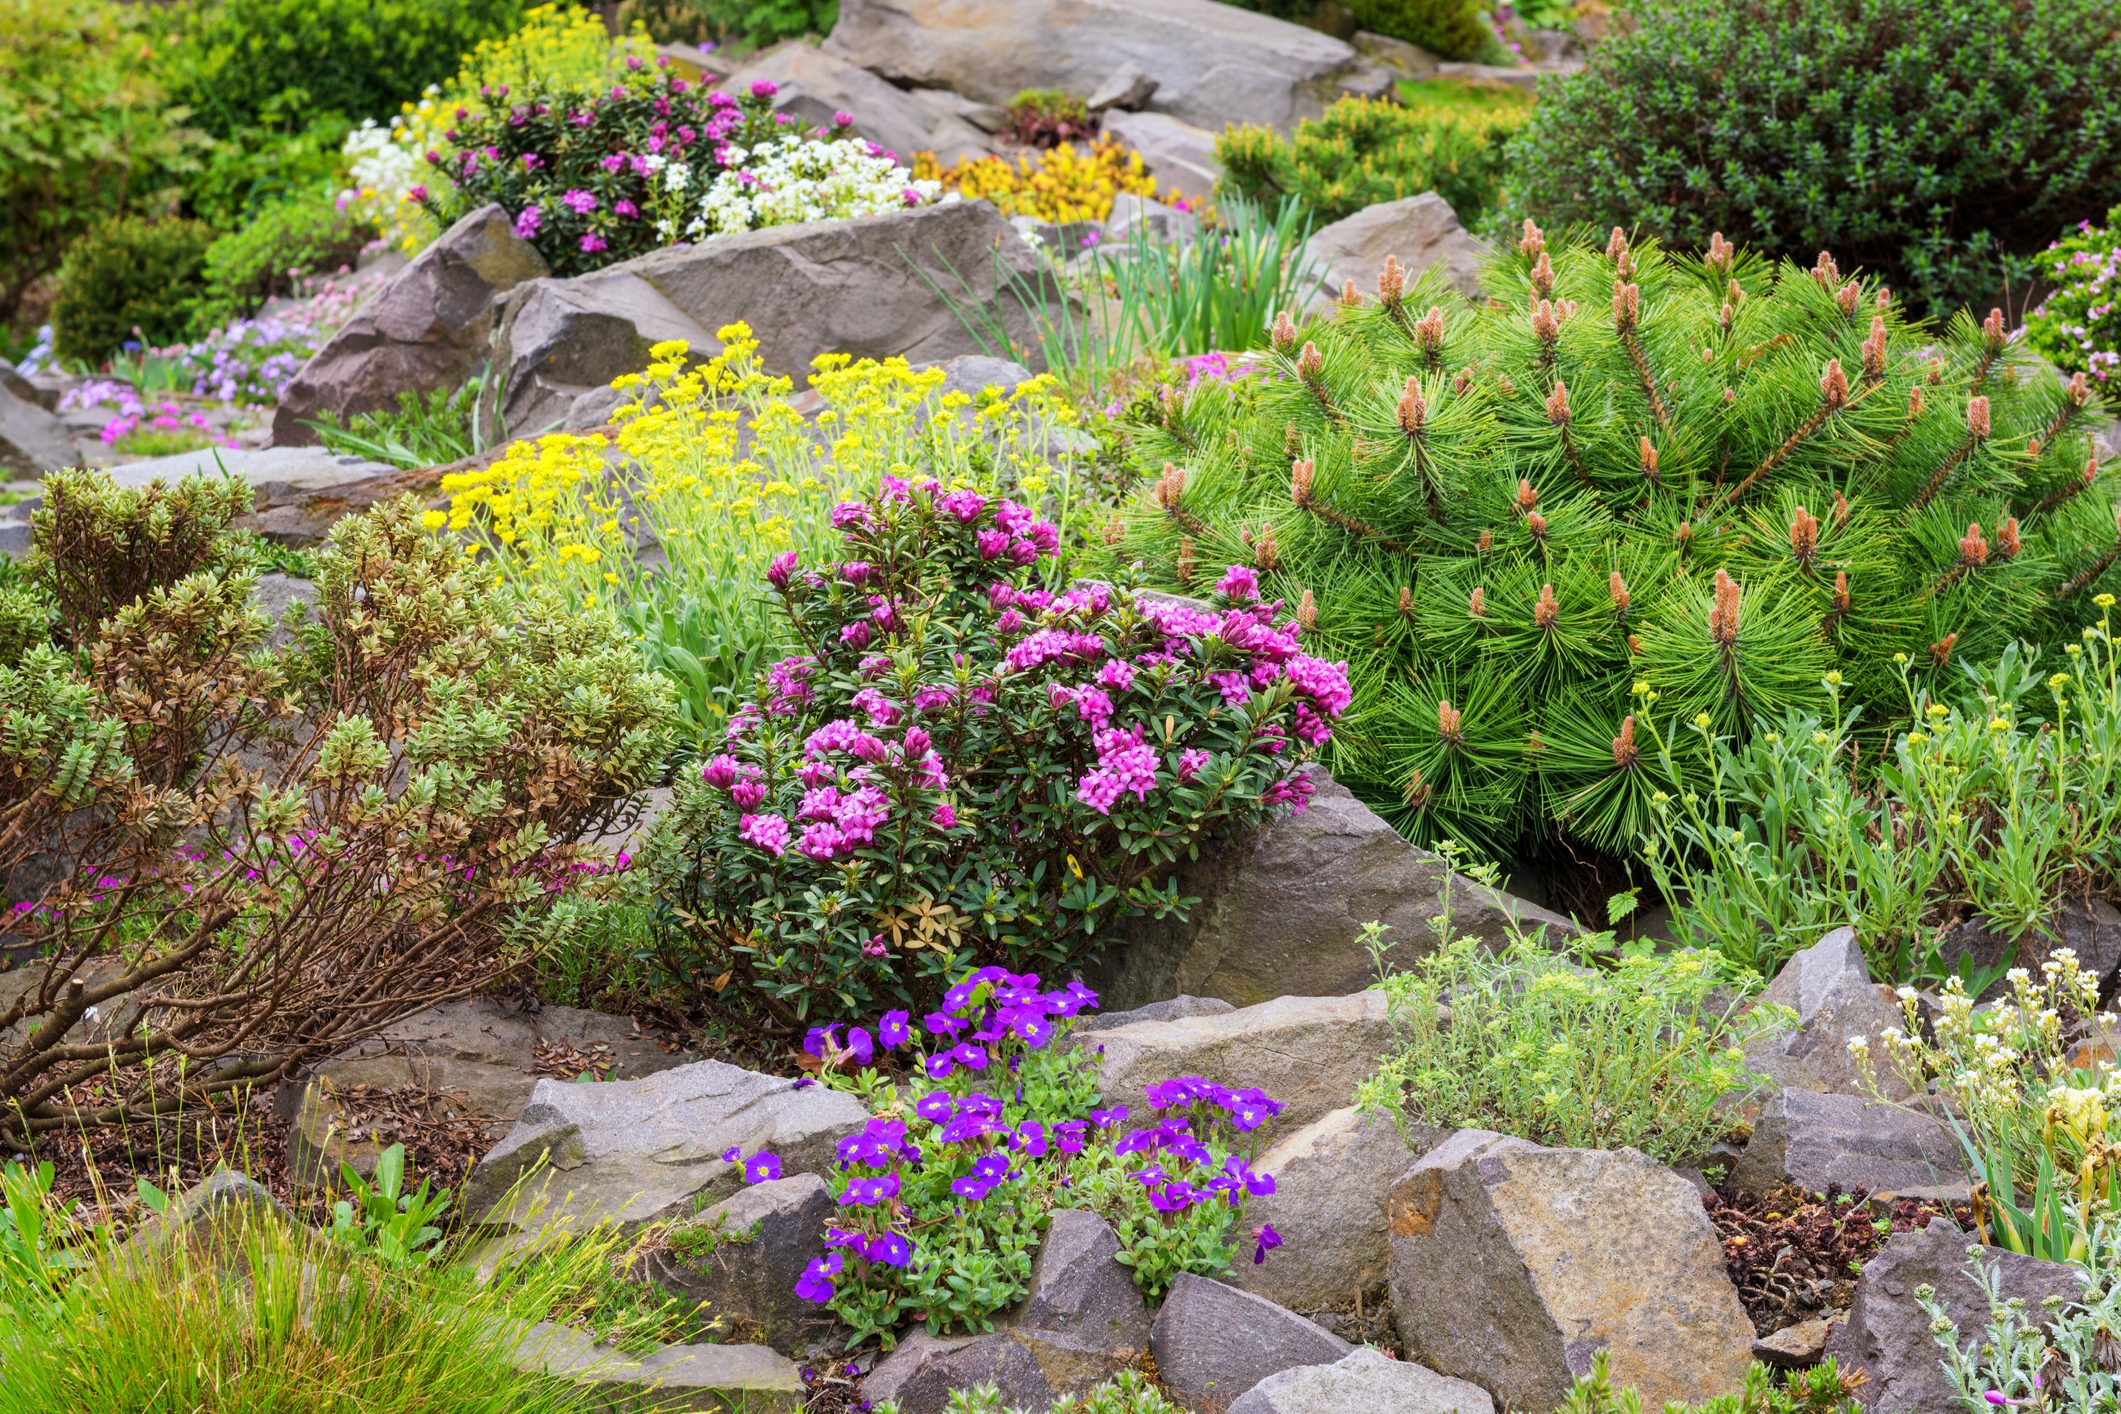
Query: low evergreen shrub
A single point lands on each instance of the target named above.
(1936, 145)
(135, 280)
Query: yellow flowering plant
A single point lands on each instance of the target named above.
(558, 50)
(715, 468)
(1066, 183)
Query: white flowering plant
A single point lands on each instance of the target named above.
(2030, 1120)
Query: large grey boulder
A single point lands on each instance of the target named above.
(1830, 989)
(1369, 1381)
(815, 86)
(1328, 1204)
(1211, 64)
(425, 329)
(1887, 1337)
(32, 440)
(482, 1053)
(1513, 1265)
(670, 1377)
(1812, 1139)
(1176, 153)
(1282, 910)
(636, 1151)
(1030, 1368)
(1307, 1053)
(1213, 1342)
(1080, 1290)
(1421, 231)
(743, 1255)
(866, 287)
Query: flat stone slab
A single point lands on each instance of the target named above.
(738, 1379)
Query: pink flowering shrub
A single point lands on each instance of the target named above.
(2078, 325)
(941, 1206)
(963, 768)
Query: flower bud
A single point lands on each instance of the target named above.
(1547, 610)
(1527, 497)
(1543, 274)
(1977, 417)
(1804, 536)
(1265, 553)
(1834, 385)
(1618, 588)
(1307, 611)
(1848, 297)
(1448, 722)
(1477, 604)
(1282, 333)
(1558, 404)
(1721, 253)
(1627, 306)
(1973, 547)
(1648, 455)
(1534, 242)
(1310, 363)
(1391, 281)
(1625, 754)
(1300, 483)
(1874, 350)
(1413, 408)
(1723, 613)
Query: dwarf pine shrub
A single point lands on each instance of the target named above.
(1630, 483)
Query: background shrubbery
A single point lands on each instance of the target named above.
(1934, 144)
(133, 280)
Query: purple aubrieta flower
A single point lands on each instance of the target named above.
(893, 1029)
(868, 1192)
(1267, 1238)
(890, 1249)
(936, 1106)
(762, 1168)
(815, 1284)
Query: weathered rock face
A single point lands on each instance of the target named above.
(1309, 1053)
(1176, 153)
(1367, 1382)
(1080, 1290)
(1281, 912)
(1813, 1139)
(485, 1053)
(742, 1257)
(1328, 1204)
(1211, 64)
(1830, 989)
(2091, 926)
(707, 1377)
(32, 440)
(1213, 1342)
(298, 493)
(815, 85)
(1421, 231)
(1030, 1368)
(865, 287)
(1174, 1009)
(1887, 1336)
(426, 329)
(1512, 1265)
(639, 1150)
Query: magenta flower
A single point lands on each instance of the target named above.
(1238, 582)
(592, 243)
(764, 88)
(527, 222)
(767, 832)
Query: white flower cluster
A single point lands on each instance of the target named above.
(789, 179)
(385, 164)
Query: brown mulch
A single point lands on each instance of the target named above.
(1795, 1255)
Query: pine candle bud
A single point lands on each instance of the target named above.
(1618, 588)
(1547, 610)
(1804, 536)
(1462, 380)
(1300, 483)
(1915, 402)
(1977, 417)
(1536, 524)
(1723, 614)
(1406, 604)
(1282, 333)
(1725, 316)
(1992, 329)
(1477, 603)
(1624, 753)
(1417, 792)
(1649, 461)
(1973, 547)
(1486, 542)
(1115, 531)
(1841, 510)
(1187, 563)
(1543, 275)
(1413, 408)
(2080, 392)
(1307, 611)
(1170, 486)
(1874, 351)
(1546, 323)
(1310, 363)
(1683, 537)
(1534, 243)
(1616, 246)
(1848, 297)
(1448, 722)
(1527, 497)
(1350, 297)
(1883, 302)
(1721, 253)
(1825, 273)
(1391, 282)
(1428, 332)
(1558, 404)
(1935, 372)
(1627, 306)
(1834, 385)
(2007, 542)
(1841, 592)
(1941, 650)
(1265, 553)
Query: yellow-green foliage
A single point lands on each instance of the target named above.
(1447, 139)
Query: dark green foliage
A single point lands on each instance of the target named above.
(134, 280)
(742, 22)
(1451, 29)
(1362, 151)
(284, 66)
(265, 257)
(25, 614)
(1628, 483)
(1935, 144)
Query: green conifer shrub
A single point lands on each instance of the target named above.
(1630, 482)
